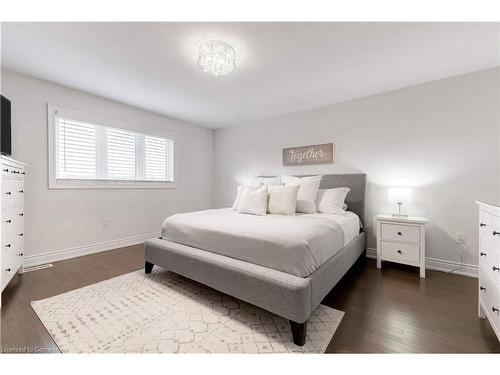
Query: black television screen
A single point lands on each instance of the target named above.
(6, 148)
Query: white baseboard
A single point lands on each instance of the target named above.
(469, 270)
(74, 252)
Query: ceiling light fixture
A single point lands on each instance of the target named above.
(216, 57)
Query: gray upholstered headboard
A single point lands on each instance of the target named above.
(355, 200)
(356, 182)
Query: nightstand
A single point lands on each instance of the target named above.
(401, 240)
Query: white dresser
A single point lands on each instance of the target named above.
(489, 264)
(401, 240)
(12, 216)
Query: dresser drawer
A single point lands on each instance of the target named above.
(490, 298)
(400, 252)
(8, 267)
(4, 261)
(12, 171)
(12, 192)
(13, 228)
(12, 244)
(489, 248)
(9, 170)
(489, 262)
(489, 228)
(8, 224)
(401, 233)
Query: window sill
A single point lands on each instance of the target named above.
(102, 184)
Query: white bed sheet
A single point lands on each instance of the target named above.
(297, 244)
(349, 223)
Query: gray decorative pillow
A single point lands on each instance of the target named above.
(282, 199)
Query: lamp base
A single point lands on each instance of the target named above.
(400, 215)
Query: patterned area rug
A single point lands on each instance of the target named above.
(166, 313)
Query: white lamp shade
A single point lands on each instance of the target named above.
(400, 194)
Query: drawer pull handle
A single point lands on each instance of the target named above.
(482, 288)
(7, 269)
(23, 173)
(8, 245)
(21, 191)
(8, 221)
(21, 214)
(482, 225)
(21, 254)
(21, 234)
(400, 234)
(496, 268)
(494, 309)
(400, 252)
(495, 233)
(482, 254)
(5, 170)
(8, 193)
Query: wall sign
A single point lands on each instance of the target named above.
(306, 155)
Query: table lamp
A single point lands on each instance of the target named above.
(400, 195)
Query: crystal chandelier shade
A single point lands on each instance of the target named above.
(216, 57)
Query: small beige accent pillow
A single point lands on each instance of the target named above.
(282, 199)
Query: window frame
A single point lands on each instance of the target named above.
(54, 183)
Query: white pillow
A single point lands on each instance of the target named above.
(282, 199)
(257, 181)
(332, 201)
(254, 202)
(240, 192)
(308, 190)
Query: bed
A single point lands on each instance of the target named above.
(284, 264)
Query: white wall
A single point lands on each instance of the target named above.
(440, 137)
(64, 219)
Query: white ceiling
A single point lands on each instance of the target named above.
(281, 67)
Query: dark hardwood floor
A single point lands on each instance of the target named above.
(392, 310)
(386, 311)
(21, 330)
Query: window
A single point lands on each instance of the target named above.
(86, 152)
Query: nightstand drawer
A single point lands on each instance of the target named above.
(402, 233)
(400, 252)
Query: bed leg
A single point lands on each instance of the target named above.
(299, 332)
(148, 267)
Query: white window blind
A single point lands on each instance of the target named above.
(120, 154)
(89, 151)
(155, 154)
(76, 153)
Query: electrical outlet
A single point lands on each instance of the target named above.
(460, 237)
(105, 223)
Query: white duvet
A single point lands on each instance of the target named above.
(297, 244)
